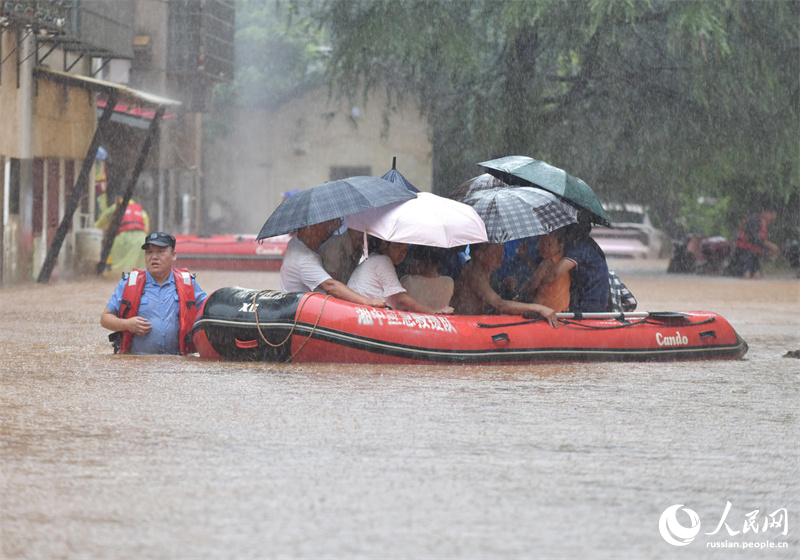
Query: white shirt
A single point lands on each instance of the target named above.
(302, 269)
(375, 278)
(433, 292)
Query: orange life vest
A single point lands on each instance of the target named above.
(743, 239)
(187, 310)
(133, 219)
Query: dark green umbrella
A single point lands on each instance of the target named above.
(543, 175)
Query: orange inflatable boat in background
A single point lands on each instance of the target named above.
(230, 252)
(249, 325)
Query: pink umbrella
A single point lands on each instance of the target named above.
(426, 220)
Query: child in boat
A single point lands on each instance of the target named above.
(586, 264)
(473, 294)
(376, 275)
(424, 282)
(553, 293)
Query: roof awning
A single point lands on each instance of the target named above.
(131, 115)
(127, 95)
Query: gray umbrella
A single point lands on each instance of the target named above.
(516, 212)
(331, 200)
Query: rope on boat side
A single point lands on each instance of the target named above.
(321, 309)
(294, 325)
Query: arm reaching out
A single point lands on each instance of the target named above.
(338, 290)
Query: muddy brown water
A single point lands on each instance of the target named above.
(169, 457)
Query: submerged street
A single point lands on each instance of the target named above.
(154, 456)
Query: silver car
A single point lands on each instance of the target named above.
(633, 235)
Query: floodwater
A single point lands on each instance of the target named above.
(168, 457)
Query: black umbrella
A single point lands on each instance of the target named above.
(331, 200)
(394, 176)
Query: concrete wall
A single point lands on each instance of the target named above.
(151, 20)
(296, 146)
(9, 94)
(64, 121)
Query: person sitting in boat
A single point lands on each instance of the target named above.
(153, 311)
(302, 269)
(376, 277)
(553, 293)
(424, 283)
(473, 293)
(586, 263)
(519, 262)
(341, 254)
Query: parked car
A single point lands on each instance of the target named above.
(633, 235)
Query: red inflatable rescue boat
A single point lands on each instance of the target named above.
(230, 252)
(248, 325)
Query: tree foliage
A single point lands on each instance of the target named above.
(651, 101)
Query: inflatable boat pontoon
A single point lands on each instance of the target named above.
(242, 324)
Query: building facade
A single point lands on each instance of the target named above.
(305, 142)
(61, 65)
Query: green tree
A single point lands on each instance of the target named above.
(280, 53)
(657, 101)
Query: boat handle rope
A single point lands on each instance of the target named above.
(626, 324)
(294, 325)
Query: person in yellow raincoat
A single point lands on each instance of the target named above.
(126, 251)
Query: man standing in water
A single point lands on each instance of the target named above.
(302, 269)
(153, 311)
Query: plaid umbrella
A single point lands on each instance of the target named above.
(332, 200)
(479, 183)
(516, 169)
(394, 176)
(516, 212)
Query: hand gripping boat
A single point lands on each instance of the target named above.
(240, 324)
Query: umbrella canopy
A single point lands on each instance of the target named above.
(540, 174)
(426, 220)
(516, 212)
(331, 200)
(394, 176)
(479, 183)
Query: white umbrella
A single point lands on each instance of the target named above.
(427, 219)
